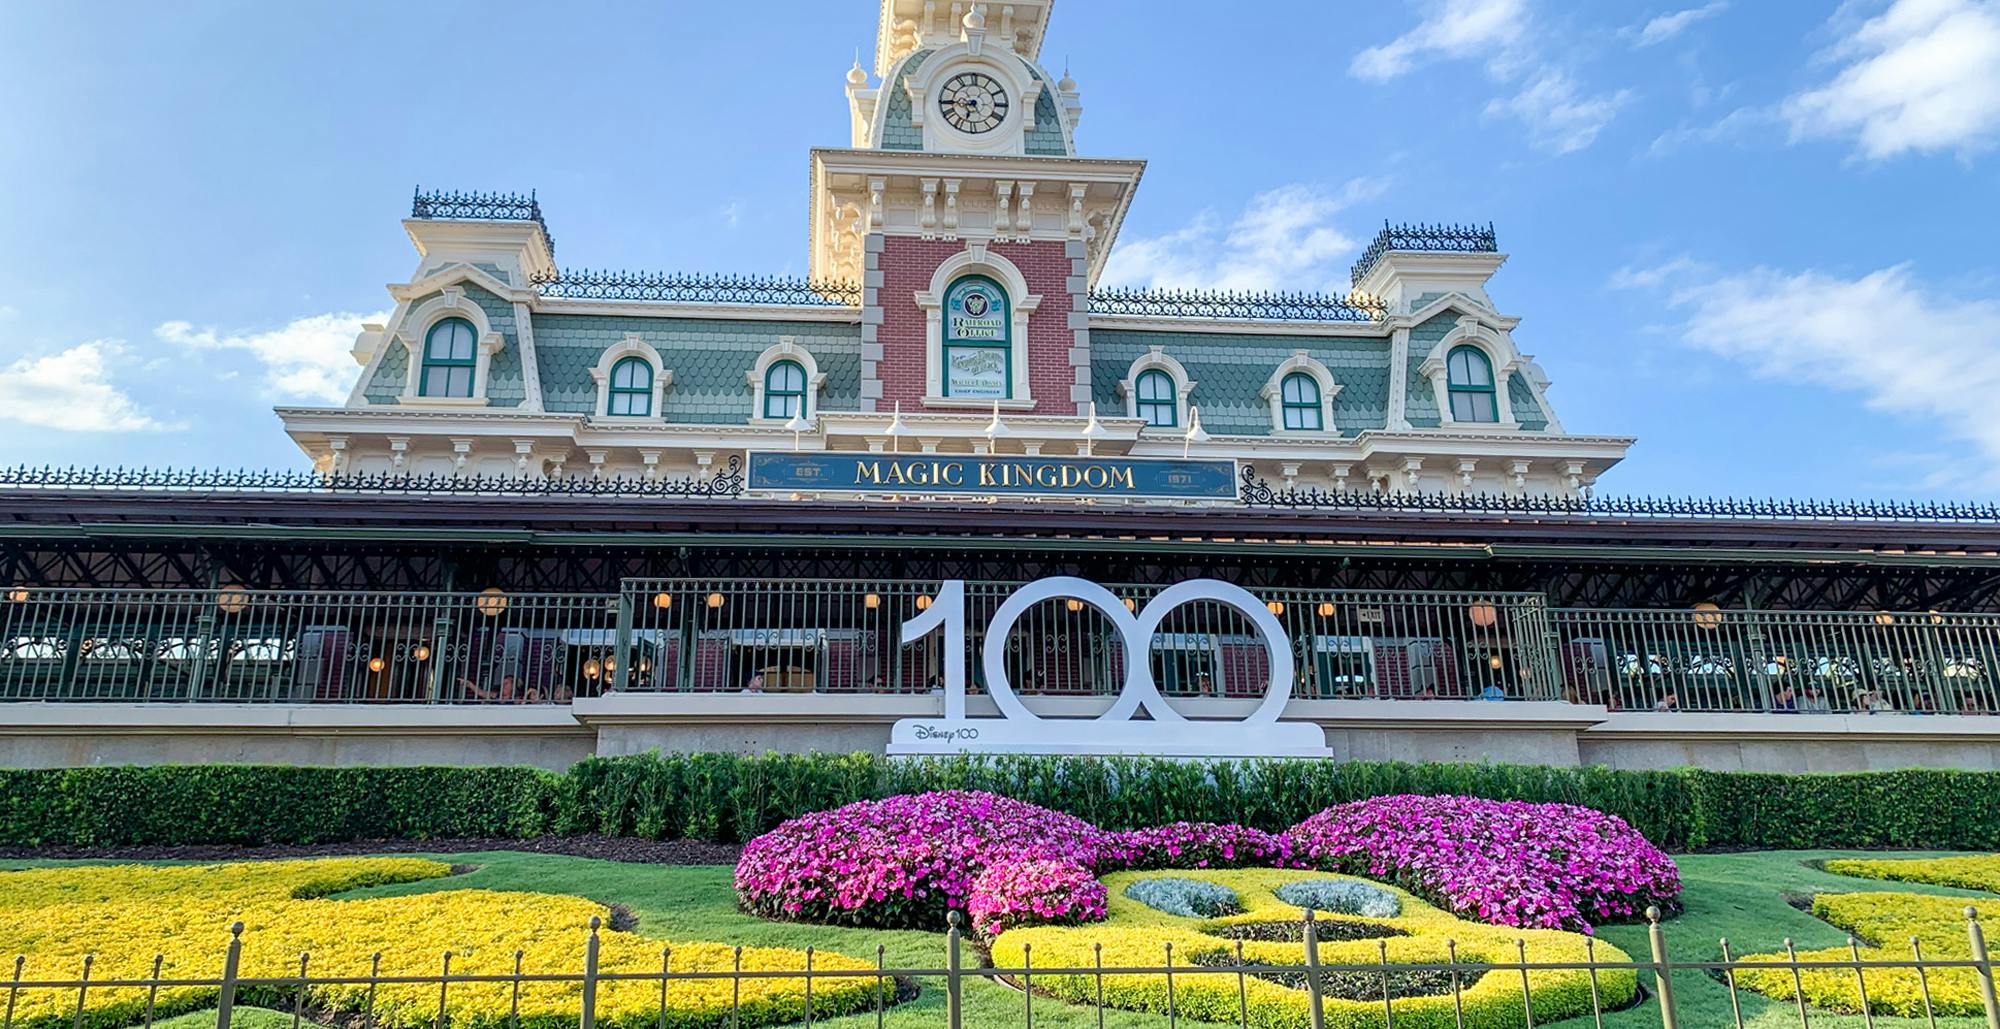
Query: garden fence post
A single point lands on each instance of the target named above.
(1984, 967)
(232, 960)
(1663, 975)
(1316, 1004)
(587, 1019)
(953, 1014)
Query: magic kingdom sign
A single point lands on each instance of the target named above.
(989, 475)
(1165, 731)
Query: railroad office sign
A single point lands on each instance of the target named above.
(1018, 730)
(988, 475)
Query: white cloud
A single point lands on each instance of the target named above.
(7, 311)
(308, 358)
(1904, 346)
(1546, 98)
(1558, 117)
(1455, 28)
(1667, 26)
(72, 391)
(1284, 238)
(1924, 75)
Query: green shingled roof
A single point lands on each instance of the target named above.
(708, 356)
(1230, 369)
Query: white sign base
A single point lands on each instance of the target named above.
(1092, 736)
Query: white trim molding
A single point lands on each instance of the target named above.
(1157, 359)
(449, 303)
(1500, 354)
(976, 259)
(1301, 361)
(633, 345)
(787, 348)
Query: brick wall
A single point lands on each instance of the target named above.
(906, 265)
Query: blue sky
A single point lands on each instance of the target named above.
(1756, 235)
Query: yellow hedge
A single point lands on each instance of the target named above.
(126, 914)
(1976, 872)
(1134, 935)
(1891, 919)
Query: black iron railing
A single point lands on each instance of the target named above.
(725, 483)
(1257, 492)
(1467, 239)
(685, 288)
(506, 207)
(1291, 307)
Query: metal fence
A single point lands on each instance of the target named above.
(843, 636)
(307, 992)
(700, 635)
(293, 646)
(1880, 662)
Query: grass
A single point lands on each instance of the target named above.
(1742, 897)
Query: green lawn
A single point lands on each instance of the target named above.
(1738, 896)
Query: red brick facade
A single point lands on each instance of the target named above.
(907, 265)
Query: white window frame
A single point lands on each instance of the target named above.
(1303, 362)
(787, 348)
(414, 334)
(1157, 359)
(976, 259)
(633, 345)
(1500, 355)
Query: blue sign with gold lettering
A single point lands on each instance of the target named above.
(982, 475)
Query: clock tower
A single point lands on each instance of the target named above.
(963, 208)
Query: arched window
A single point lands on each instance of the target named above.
(1469, 380)
(631, 392)
(785, 390)
(978, 340)
(1156, 402)
(1299, 397)
(450, 355)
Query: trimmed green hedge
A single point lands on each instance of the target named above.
(729, 798)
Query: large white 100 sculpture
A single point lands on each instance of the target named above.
(1019, 730)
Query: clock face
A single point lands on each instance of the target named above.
(972, 102)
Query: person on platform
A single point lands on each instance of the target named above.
(1668, 702)
(1815, 702)
(755, 684)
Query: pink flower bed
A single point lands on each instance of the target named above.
(1555, 866)
(1018, 893)
(1195, 845)
(901, 861)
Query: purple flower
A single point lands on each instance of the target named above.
(1042, 892)
(1553, 866)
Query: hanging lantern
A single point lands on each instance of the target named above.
(17, 595)
(1493, 662)
(1884, 618)
(591, 669)
(610, 665)
(1275, 607)
(1073, 605)
(1325, 609)
(715, 600)
(422, 653)
(872, 601)
(376, 664)
(1707, 615)
(1483, 614)
(232, 600)
(923, 602)
(1131, 605)
(663, 600)
(491, 601)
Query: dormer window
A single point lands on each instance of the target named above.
(631, 392)
(451, 357)
(1469, 382)
(1156, 401)
(784, 390)
(1300, 402)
